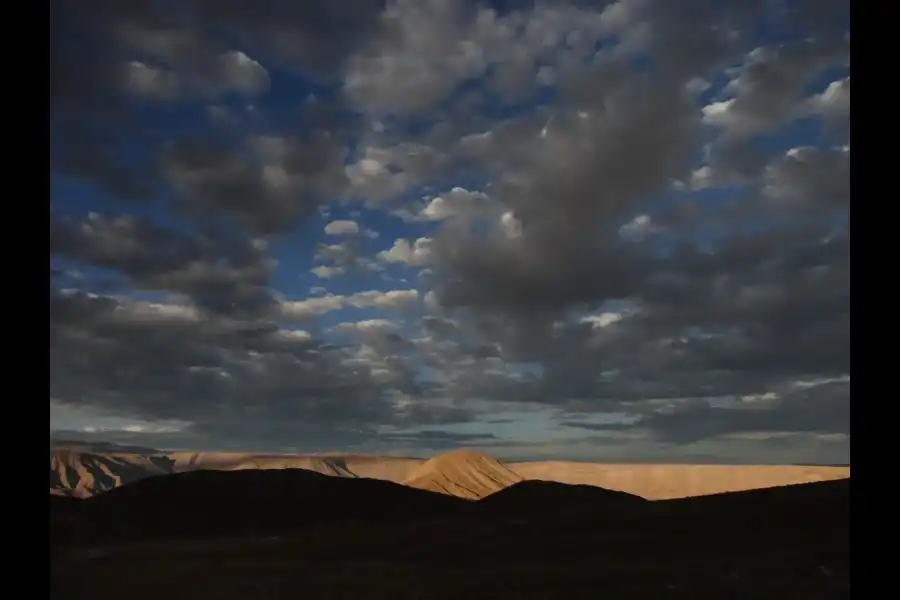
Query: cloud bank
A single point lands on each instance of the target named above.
(392, 225)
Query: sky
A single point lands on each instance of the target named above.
(610, 231)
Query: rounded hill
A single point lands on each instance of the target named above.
(253, 501)
(462, 473)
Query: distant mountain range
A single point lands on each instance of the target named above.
(81, 470)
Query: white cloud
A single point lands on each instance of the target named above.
(603, 319)
(317, 306)
(392, 299)
(640, 227)
(415, 255)
(342, 228)
(366, 326)
(311, 307)
(324, 272)
(458, 202)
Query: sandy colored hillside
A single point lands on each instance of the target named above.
(462, 473)
(657, 482)
(227, 461)
(83, 474)
(387, 468)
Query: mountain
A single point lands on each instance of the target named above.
(467, 474)
(825, 499)
(252, 502)
(549, 496)
(388, 468)
(659, 482)
(233, 461)
(83, 474)
(462, 473)
(80, 473)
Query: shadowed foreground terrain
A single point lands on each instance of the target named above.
(298, 534)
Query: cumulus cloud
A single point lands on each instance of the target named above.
(342, 228)
(324, 272)
(360, 225)
(416, 253)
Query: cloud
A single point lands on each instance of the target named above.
(148, 51)
(105, 353)
(397, 299)
(820, 407)
(809, 175)
(353, 226)
(342, 228)
(417, 253)
(767, 85)
(324, 272)
(833, 103)
(391, 299)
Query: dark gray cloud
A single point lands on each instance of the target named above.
(815, 407)
(645, 233)
(822, 408)
(298, 439)
(112, 65)
(220, 275)
(315, 37)
(227, 376)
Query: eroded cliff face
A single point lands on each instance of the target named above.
(83, 474)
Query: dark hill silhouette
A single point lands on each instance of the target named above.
(224, 503)
(67, 520)
(546, 497)
(811, 498)
(203, 503)
(63, 502)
